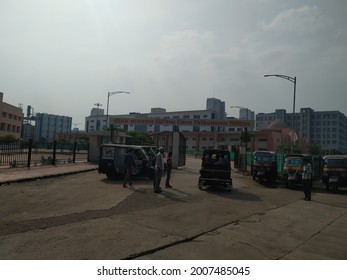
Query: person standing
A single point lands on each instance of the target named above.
(307, 178)
(159, 169)
(129, 162)
(168, 170)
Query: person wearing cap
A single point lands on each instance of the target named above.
(159, 169)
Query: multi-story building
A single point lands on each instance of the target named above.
(328, 129)
(215, 109)
(47, 127)
(96, 121)
(197, 136)
(10, 119)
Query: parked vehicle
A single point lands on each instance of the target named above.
(111, 161)
(215, 169)
(150, 152)
(334, 172)
(264, 166)
(293, 168)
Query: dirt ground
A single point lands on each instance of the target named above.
(86, 216)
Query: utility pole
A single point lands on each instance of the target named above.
(97, 114)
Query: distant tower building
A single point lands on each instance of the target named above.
(47, 126)
(217, 106)
(246, 114)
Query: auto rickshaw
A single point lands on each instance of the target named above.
(334, 172)
(111, 161)
(293, 168)
(215, 169)
(264, 166)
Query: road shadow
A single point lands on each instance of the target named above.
(234, 194)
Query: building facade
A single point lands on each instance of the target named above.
(96, 121)
(327, 129)
(10, 119)
(215, 109)
(48, 126)
(198, 137)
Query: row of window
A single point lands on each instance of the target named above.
(318, 116)
(11, 116)
(9, 128)
(329, 142)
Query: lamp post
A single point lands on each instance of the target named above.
(97, 113)
(245, 133)
(108, 101)
(293, 80)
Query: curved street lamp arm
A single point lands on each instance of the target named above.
(108, 101)
(116, 92)
(293, 80)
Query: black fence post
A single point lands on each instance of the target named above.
(29, 153)
(74, 152)
(54, 151)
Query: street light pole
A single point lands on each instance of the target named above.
(97, 113)
(245, 131)
(293, 80)
(108, 101)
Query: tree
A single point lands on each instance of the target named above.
(8, 139)
(314, 149)
(140, 138)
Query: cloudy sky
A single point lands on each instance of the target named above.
(63, 56)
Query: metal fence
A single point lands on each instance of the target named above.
(19, 154)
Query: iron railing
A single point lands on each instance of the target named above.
(19, 154)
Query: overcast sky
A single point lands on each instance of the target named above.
(63, 56)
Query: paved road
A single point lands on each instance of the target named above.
(86, 216)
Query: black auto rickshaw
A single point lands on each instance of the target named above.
(293, 168)
(215, 169)
(264, 166)
(111, 161)
(334, 172)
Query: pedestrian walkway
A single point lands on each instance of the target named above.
(12, 175)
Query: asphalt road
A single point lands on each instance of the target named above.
(86, 216)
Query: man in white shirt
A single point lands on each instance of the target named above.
(159, 169)
(307, 178)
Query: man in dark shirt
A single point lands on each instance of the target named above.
(129, 162)
(168, 170)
